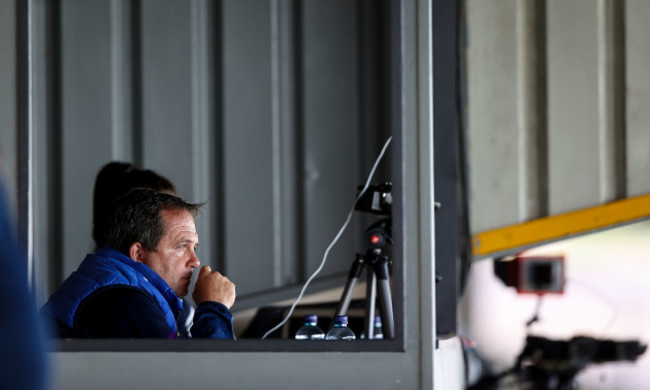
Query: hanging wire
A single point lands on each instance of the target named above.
(331, 245)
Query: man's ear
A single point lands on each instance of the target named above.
(136, 252)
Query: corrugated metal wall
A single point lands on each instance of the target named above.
(8, 120)
(557, 108)
(228, 364)
(268, 110)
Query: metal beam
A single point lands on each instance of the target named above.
(523, 235)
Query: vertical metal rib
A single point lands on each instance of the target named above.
(276, 151)
(619, 88)
(531, 110)
(611, 100)
(120, 81)
(201, 105)
(297, 90)
(25, 136)
(46, 170)
(136, 81)
(285, 139)
(51, 130)
(215, 34)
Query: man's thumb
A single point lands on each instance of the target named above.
(205, 269)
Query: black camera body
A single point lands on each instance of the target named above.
(553, 364)
(378, 199)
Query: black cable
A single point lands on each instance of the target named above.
(535, 317)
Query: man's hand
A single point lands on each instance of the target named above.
(212, 286)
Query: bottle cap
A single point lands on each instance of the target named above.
(343, 320)
(311, 318)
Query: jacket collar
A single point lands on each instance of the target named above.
(175, 303)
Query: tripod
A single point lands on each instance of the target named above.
(377, 236)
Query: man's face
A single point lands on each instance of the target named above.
(174, 258)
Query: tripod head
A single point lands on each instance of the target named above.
(378, 235)
(377, 199)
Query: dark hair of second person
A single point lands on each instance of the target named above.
(113, 181)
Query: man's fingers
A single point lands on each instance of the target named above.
(212, 286)
(204, 269)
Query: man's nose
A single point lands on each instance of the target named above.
(194, 261)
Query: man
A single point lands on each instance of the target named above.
(114, 180)
(133, 284)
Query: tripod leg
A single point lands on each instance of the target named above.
(371, 297)
(353, 276)
(385, 300)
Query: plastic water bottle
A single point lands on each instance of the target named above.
(340, 330)
(378, 331)
(310, 330)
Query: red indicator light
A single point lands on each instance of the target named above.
(375, 239)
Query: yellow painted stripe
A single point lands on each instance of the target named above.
(559, 226)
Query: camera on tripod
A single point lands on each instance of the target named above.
(378, 199)
(553, 364)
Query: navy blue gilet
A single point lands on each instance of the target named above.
(109, 267)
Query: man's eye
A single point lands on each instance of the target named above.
(180, 246)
